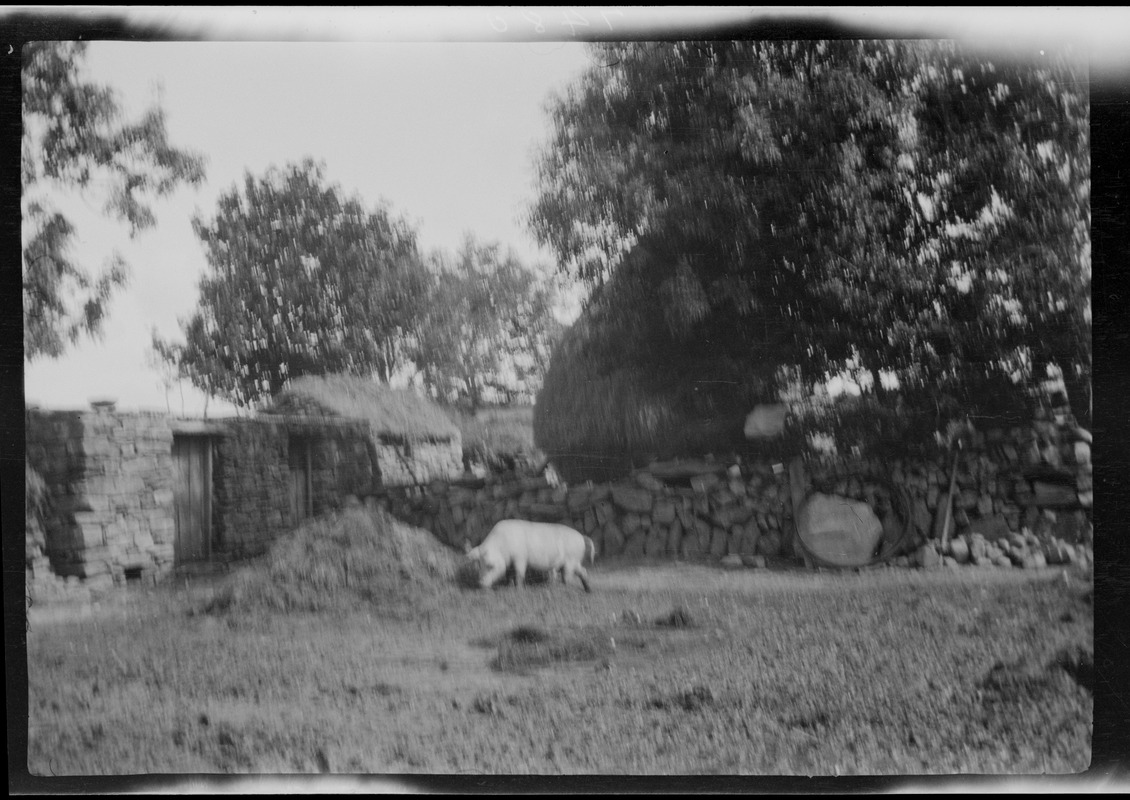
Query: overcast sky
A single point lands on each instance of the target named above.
(444, 131)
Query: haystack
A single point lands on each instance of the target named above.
(631, 381)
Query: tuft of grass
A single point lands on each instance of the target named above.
(347, 559)
(1018, 682)
(1079, 662)
(694, 699)
(528, 634)
(678, 618)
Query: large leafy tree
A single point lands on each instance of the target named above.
(907, 206)
(76, 138)
(489, 327)
(303, 280)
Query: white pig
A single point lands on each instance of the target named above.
(542, 546)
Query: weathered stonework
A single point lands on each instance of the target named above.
(251, 493)
(252, 480)
(110, 479)
(688, 510)
(109, 492)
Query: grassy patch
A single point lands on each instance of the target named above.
(877, 673)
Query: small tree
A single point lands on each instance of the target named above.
(75, 137)
(489, 327)
(303, 282)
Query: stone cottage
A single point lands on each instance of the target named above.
(131, 495)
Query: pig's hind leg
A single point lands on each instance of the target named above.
(581, 573)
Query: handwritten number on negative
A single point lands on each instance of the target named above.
(605, 14)
(574, 20)
(535, 18)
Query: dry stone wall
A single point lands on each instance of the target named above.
(109, 481)
(1018, 492)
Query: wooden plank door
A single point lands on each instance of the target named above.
(300, 494)
(192, 498)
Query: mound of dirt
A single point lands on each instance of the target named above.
(528, 647)
(340, 560)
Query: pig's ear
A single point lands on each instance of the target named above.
(470, 551)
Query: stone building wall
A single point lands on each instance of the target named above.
(343, 463)
(251, 487)
(252, 480)
(109, 482)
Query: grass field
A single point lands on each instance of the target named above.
(667, 669)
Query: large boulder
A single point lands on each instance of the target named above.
(839, 531)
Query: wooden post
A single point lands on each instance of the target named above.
(949, 499)
(797, 494)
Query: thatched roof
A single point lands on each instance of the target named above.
(396, 413)
(621, 389)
